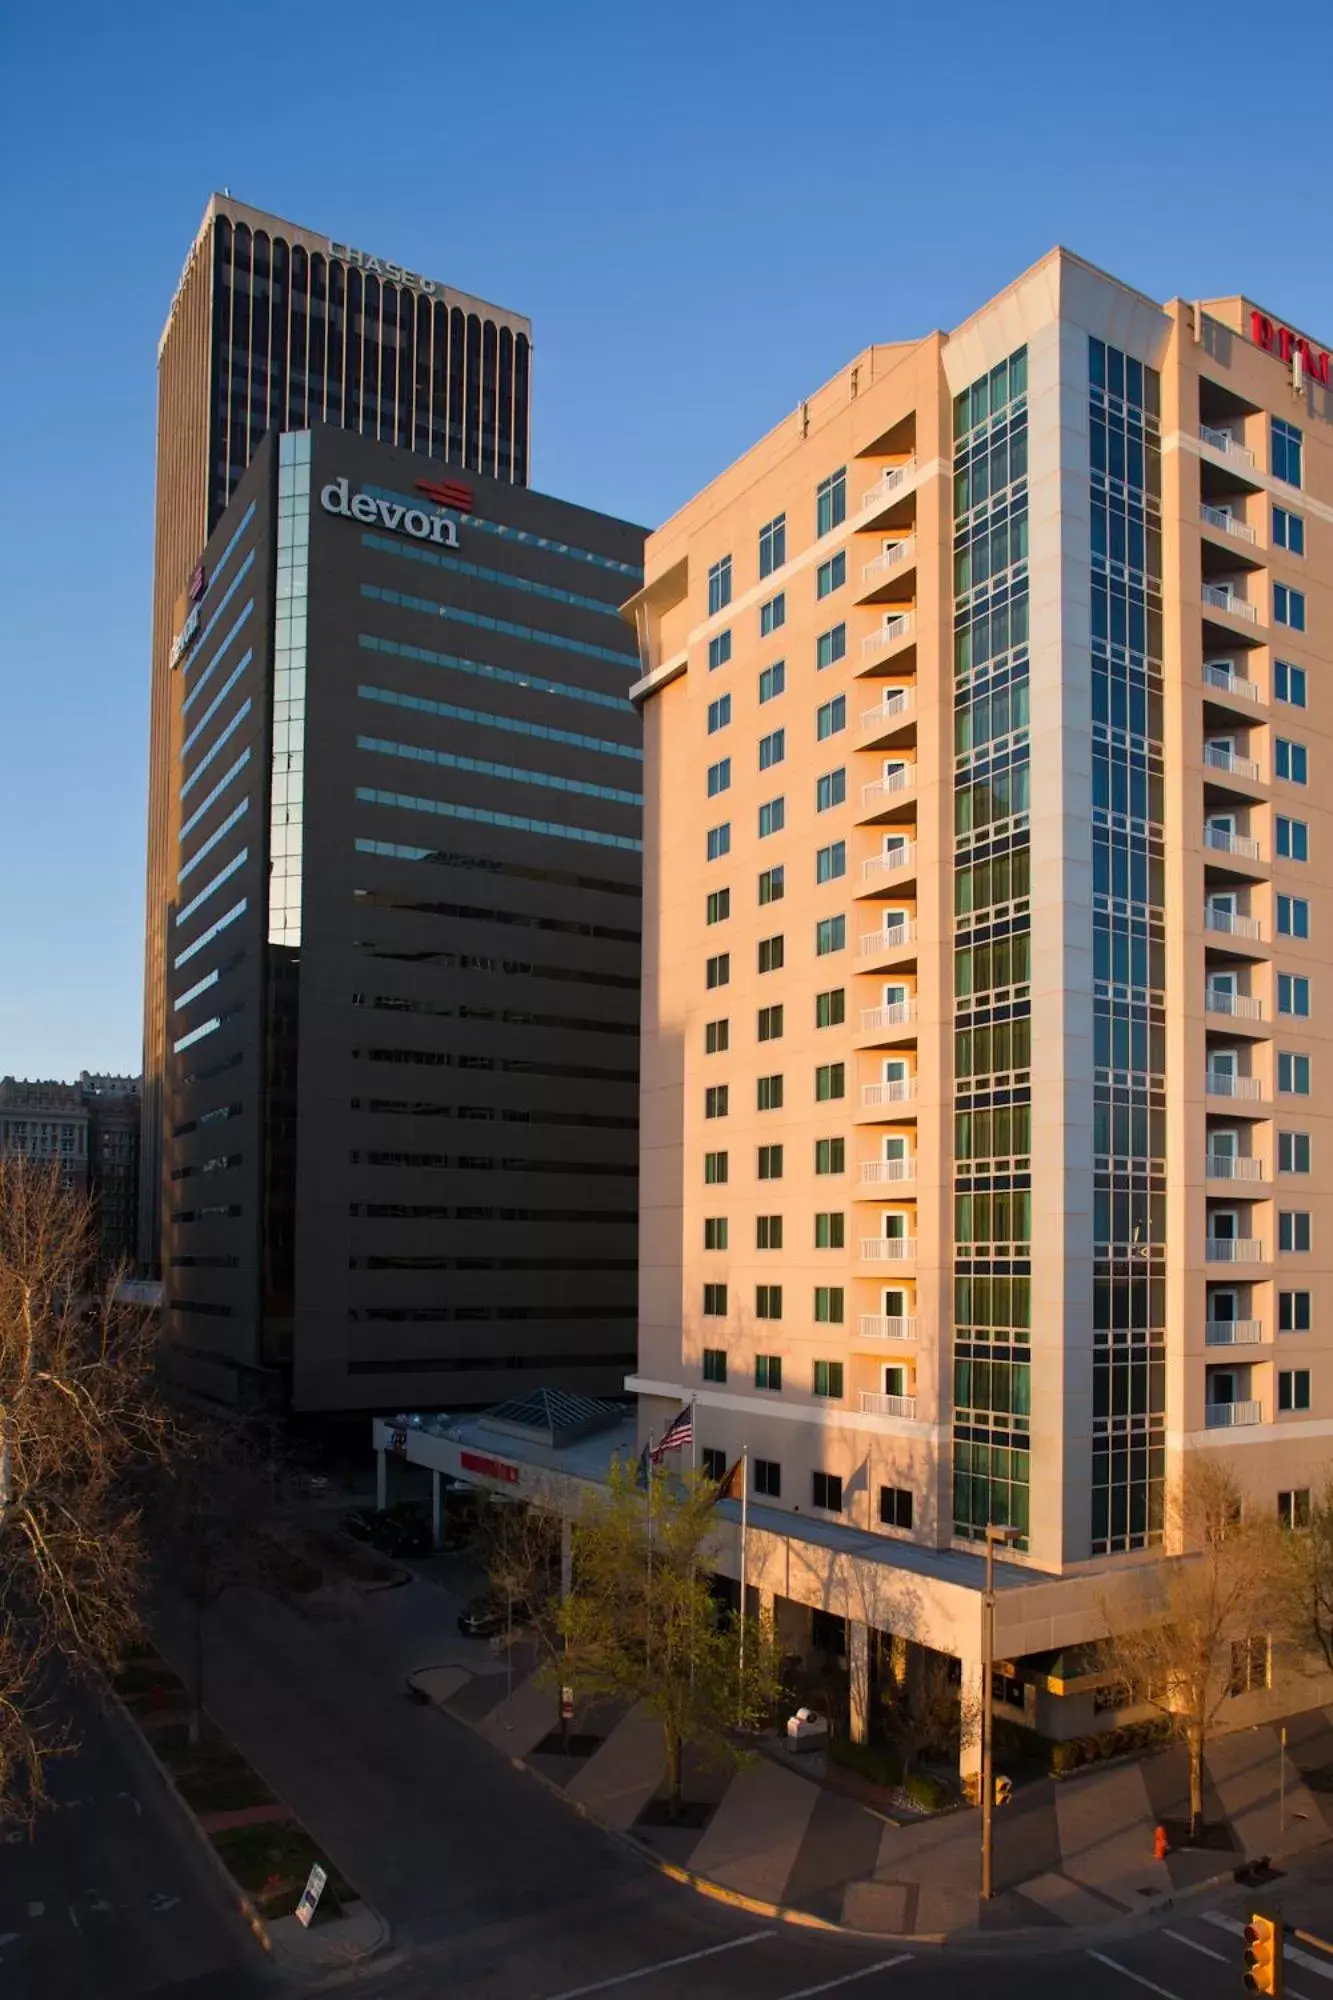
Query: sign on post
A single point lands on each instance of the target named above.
(310, 1895)
(566, 1704)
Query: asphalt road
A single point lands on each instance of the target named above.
(110, 1898)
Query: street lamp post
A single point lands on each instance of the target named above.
(993, 1535)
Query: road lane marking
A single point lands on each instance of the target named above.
(1292, 1952)
(1194, 1945)
(847, 1977)
(1137, 1977)
(662, 1965)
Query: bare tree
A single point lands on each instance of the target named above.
(1307, 1578)
(1216, 1594)
(921, 1708)
(79, 1418)
(518, 1545)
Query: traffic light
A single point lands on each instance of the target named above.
(1263, 1954)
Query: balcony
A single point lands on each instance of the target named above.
(1225, 1416)
(890, 713)
(890, 486)
(1241, 1006)
(894, 785)
(1234, 1250)
(1226, 682)
(874, 1020)
(1223, 842)
(888, 1249)
(1217, 759)
(1231, 1167)
(1225, 1083)
(1224, 442)
(875, 943)
(883, 1326)
(1231, 922)
(1218, 598)
(876, 1405)
(873, 1171)
(890, 633)
(1223, 518)
(882, 577)
(892, 863)
(901, 1090)
(1233, 1332)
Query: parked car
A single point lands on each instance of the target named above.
(395, 1532)
(486, 1617)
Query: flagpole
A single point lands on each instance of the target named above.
(745, 1537)
(694, 1434)
(648, 1584)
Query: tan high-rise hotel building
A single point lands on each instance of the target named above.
(988, 960)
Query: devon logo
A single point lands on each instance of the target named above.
(414, 521)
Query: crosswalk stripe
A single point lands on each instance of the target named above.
(1137, 1977)
(1194, 1945)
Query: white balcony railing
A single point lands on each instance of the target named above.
(1222, 517)
(873, 943)
(1233, 1332)
(899, 1090)
(891, 785)
(1224, 1416)
(1223, 441)
(885, 1326)
(887, 1170)
(1217, 758)
(1230, 1167)
(1216, 676)
(1225, 1083)
(890, 481)
(891, 861)
(1244, 1006)
(1231, 921)
(896, 1015)
(1219, 598)
(1234, 1250)
(893, 707)
(876, 1405)
(888, 1249)
(889, 559)
(889, 633)
(1231, 843)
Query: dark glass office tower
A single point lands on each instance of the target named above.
(274, 327)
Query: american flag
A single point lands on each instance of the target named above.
(680, 1431)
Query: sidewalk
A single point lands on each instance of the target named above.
(1068, 1853)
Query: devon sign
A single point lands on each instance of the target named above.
(391, 514)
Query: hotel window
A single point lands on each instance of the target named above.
(768, 1302)
(895, 1507)
(826, 1492)
(768, 1232)
(719, 585)
(1288, 532)
(830, 790)
(1293, 1509)
(715, 1169)
(829, 1307)
(772, 817)
(772, 885)
(717, 1037)
(772, 545)
(715, 1362)
(831, 1008)
(768, 1371)
(830, 862)
(830, 1230)
(1293, 1229)
(719, 777)
(719, 650)
(719, 714)
(719, 841)
(768, 1478)
(1293, 1075)
(772, 749)
(1289, 607)
(830, 1156)
(1290, 762)
(771, 953)
(773, 614)
(1293, 1389)
(830, 1082)
(770, 1024)
(1251, 1664)
(1293, 1312)
(1289, 683)
(1286, 442)
(770, 1163)
(830, 647)
(830, 718)
(1293, 993)
(715, 1232)
(715, 1307)
(772, 682)
(768, 1093)
(1293, 839)
(718, 907)
(828, 1378)
(1293, 1152)
(831, 502)
(713, 1461)
(717, 972)
(716, 1100)
(831, 575)
(1293, 917)
(830, 935)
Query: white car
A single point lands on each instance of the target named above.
(807, 1730)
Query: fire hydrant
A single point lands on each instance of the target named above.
(1161, 1846)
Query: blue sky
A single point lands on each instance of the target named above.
(704, 209)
